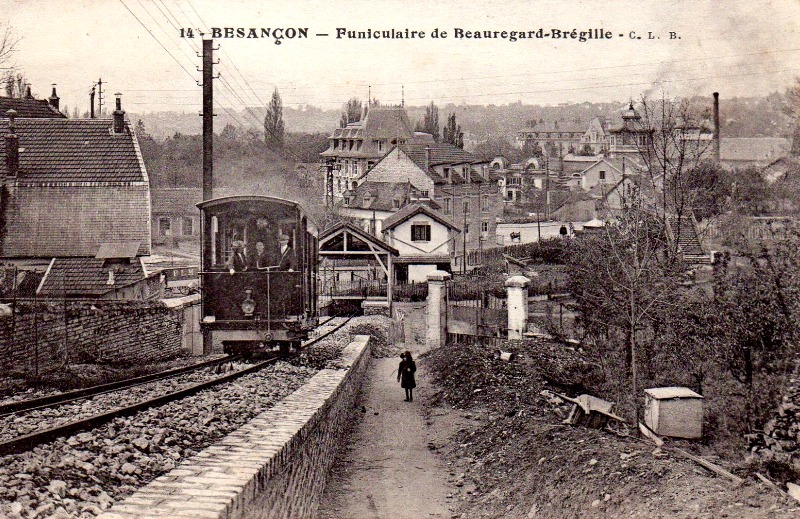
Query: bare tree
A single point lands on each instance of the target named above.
(625, 283)
(792, 109)
(674, 143)
(8, 43)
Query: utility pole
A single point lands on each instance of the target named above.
(208, 119)
(330, 165)
(465, 202)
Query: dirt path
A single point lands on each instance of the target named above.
(387, 469)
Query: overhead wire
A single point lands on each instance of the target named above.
(157, 40)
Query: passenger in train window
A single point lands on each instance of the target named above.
(260, 260)
(286, 259)
(238, 260)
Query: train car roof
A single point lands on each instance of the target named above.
(206, 204)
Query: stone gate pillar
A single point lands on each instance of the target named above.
(517, 297)
(436, 311)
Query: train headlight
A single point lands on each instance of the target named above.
(248, 305)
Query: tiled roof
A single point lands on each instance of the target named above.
(412, 209)
(440, 153)
(88, 277)
(753, 149)
(424, 259)
(176, 201)
(558, 199)
(379, 196)
(29, 108)
(382, 123)
(349, 227)
(74, 150)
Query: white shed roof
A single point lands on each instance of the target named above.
(665, 393)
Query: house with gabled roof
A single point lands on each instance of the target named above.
(425, 240)
(69, 185)
(372, 202)
(28, 107)
(454, 179)
(115, 272)
(356, 148)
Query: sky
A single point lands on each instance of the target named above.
(739, 48)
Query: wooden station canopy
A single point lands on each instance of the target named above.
(345, 241)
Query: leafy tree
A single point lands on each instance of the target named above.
(430, 121)
(351, 113)
(451, 133)
(273, 122)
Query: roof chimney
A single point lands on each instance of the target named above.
(54, 99)
(119, 115)
(427, 158)
(716, 128)
(28, 94)
(12, 146)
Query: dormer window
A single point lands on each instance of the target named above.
(347, 200)
(396, 203)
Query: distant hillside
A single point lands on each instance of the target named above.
(741, 117)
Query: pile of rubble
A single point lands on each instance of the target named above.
(377, 327)
(781, 439)
(559, 364)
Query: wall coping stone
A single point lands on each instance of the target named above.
(181, 302)
(221, 480)
(439, 275)
(517, 282)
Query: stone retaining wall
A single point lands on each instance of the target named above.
(273, 467)
(47, 334)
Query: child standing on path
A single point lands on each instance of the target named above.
(405, 375)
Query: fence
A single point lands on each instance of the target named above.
(548, 251)
(362, 288)
(475, 307)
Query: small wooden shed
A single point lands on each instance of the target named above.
(674, 411)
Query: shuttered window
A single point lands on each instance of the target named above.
(420, 232)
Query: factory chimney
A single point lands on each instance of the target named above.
(716, 128)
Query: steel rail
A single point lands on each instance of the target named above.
(31, 440)
(28, 441)
(79, 394)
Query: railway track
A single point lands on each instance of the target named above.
(26, 442)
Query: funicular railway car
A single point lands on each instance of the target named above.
(258, 274)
